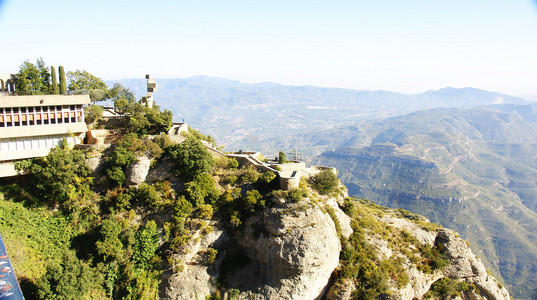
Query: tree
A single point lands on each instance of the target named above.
(93, 113)
(110, 245)
(44, 75)
(281, 157)
(70, 278)
(200, 189)
(63, 84)
(122, 97)
(143, 120)
(82, 81)
(54, 89)
(33, 79)
(191, 158)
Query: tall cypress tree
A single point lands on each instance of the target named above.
(63, 84)
(55, 89)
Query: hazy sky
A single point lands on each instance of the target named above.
(405, 46)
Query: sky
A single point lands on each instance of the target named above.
(402, 46)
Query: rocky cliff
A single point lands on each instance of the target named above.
(303, 251)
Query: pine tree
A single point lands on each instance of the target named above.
(63, 84)
(44, 75)
(55, 90)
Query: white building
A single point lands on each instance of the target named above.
(31, 125)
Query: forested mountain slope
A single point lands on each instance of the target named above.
(471, 170)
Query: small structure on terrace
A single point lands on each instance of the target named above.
(289, 173)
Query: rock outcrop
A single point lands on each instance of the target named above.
(137, 172)
(293, 250)
(462, 265)
(287, 252)
(197, 279)
(465, 264)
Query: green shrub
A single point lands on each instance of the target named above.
(145, 245)
(190, 158)
(252, 200)
(444, 288)
(267, 177)
(211, 255)
(205, 211)
(282, 159)
(296, 195)
(124, 155)
(325, 182)
(110, 246)
(249, 175)
(70, 279)
(201, 190)
(61, 177)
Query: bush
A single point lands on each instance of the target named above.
(249, 175)
(201, 190)
(125, 154)
(144, 120)
(325, 182)
(296, 195)
(252, 200)
(145, 245)
(60, 177)
(205, 211)
(110, 245)
(70, 279)
(282, 159)
(445, 288)
(190, 158)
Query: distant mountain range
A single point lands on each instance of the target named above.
(245, 116)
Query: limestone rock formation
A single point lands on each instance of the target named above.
(462, 265)
(465, 264)
(293, 249)
(197, 279)
(137, 172)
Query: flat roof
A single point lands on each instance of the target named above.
(43, 100)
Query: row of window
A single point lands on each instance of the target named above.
(40, 108)
(32, 143)
(25, 116)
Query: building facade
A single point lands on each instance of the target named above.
(31, 125)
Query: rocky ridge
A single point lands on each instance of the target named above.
(292, 251)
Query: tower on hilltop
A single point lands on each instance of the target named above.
(151, 88)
